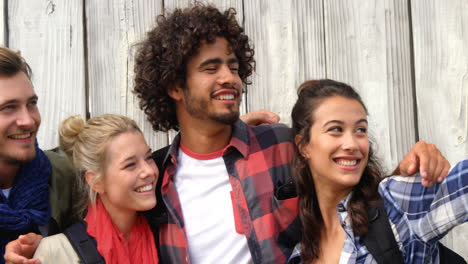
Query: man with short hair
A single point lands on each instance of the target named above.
(226, 186)
(26, 182)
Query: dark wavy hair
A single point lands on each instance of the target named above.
(161, 59)
(310, 95)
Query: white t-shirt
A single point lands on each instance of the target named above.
(204, 190)
(6, 192)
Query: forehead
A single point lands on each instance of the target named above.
(218, 49)
(16, 87)
(339, 108)
(126, 145)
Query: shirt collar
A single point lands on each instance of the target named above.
(240, 140)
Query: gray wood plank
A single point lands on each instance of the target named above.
(367, 45)
(440, 32)
(288, 40)
(113, 29)
(49, 35)
(3, 24)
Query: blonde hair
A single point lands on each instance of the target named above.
(86, 144)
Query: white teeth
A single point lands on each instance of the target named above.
(347, 162)
(225, 97)
(21, 136)
(145, 188)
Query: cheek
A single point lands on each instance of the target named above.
(364, 147)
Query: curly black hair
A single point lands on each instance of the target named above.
(161, 59)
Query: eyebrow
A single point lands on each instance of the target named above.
(217, 61)
(133, 157)
(342, 123)
(15, 101)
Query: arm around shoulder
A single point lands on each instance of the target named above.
(56, 249)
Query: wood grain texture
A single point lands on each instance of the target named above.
(49, 35)
(440, 32)
(367, 46)
(288, 41)
(3, 25)
(114, 27)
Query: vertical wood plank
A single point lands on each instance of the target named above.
(288, 41)
(49, 35)
(113, 29)
(440, 33)
(2, 23)
(367, 45)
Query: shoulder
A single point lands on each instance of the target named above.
(61, 165)
(273, 134)
(56, 249)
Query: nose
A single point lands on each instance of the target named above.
(226, 76)
(148, 170)
(349, 142)
(25, 118)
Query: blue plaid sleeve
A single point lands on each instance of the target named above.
(426, 214)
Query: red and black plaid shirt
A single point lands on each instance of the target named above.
(265, 202)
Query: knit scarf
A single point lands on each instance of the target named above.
(111, 243)
(28, 203)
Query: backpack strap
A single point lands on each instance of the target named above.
(446, 255)
(84, 245)
(380, 240)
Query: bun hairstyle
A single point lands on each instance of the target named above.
(86, 144)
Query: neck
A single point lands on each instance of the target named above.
(8, 173)
(123, 219)
(328, 199)
(204, 137)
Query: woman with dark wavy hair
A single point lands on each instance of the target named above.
(338, 178)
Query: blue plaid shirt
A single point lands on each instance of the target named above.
(419, 216)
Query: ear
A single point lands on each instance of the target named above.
(176, 92)
(95, 185)
(303, 152)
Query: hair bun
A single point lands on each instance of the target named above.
(69, 130)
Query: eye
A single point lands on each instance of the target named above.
(210, 69)
(336, 129)
(129, 165)
(362, 130)
(8, 108)
(234, 68)
(149, 159)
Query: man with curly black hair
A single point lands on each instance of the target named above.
(221, 176)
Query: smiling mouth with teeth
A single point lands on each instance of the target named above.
(346, 162)
(20, 136)
(225, 97)
(145, 188)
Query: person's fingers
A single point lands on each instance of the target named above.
(445, 165)
(13, 253)
(438, 171)
(424, 161)
(260, 117)
(408, 165)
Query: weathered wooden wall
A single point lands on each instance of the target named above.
(408, 59)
